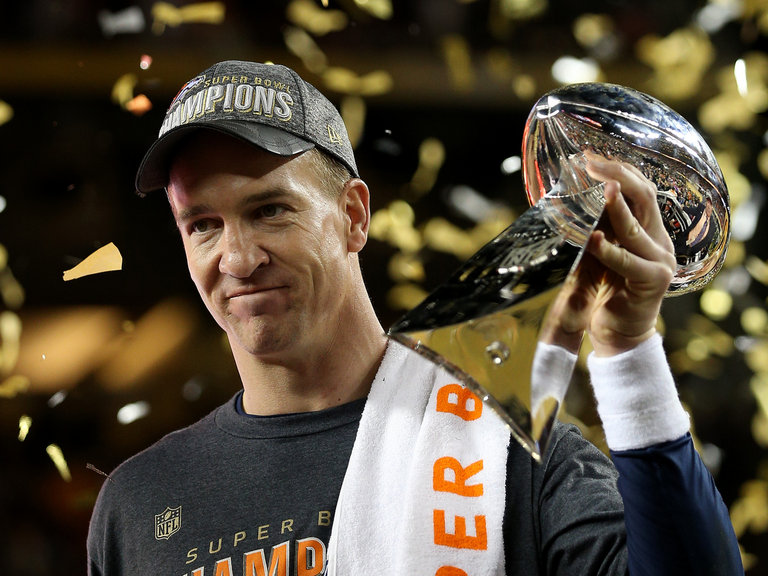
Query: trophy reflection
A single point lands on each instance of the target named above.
(502, 324)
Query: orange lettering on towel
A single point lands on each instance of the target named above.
(459, 484)
(460, 538)
(455, 399)
(450, 571)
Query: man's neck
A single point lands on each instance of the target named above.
(339, 372)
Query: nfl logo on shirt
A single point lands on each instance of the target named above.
(167, 523)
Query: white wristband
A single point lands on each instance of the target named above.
(636, 397)
(551, 374)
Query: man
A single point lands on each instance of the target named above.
(348, 454)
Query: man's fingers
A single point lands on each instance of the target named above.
(629, 232)
(641, 272)
(639, 191)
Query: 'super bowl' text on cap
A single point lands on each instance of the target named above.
(267, 105)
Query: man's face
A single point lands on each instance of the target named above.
(266, 246)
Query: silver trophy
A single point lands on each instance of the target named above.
(486, 323)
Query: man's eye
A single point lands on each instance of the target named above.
(200, 226)
(270, 211)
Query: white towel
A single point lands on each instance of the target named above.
(425, 485)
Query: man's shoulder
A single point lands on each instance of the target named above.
(167, 453)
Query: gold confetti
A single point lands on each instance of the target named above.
(381, 9)
(105, 259)
(304, 47)
(521, 9)
(405, 296)
(443, 236)
(353, 113)
(315, 20)
(750, 511)
(524, 86)
(11, 291)
(679, 61)
(122, 90)
(754, 320)
(718, 340)
(759, 428)
(759, 387)
(739, 187)
(501, 65)
(737, 253)
(757, 268)
(13, 386)
(57, 456)
(406, 267)
(456, 53)
(25, 423)
(592, 29)
(10, 340)
(165, 14)
(394, 225)
(6, 112)
(715, 303)
(431, 158)
(757, 358)
(348, 82)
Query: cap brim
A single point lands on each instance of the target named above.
(153, 170)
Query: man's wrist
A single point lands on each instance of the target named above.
(637, 397)
(621, 345)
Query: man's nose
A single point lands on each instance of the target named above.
(241, 254)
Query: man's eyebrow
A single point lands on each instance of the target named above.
(192, 212)
(265, 196)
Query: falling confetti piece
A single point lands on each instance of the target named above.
(456, 53)
(381, 9)
(105, 259)
(122, 90)
(758, 269)
(304, 46)
(25, 423)
(6, 112)
(405, 296)
(431, 158)
(14, 385)
(521, 9)
(10, 337)
(317, 21)
(57, 398)
(139, 105)
(344, 80)
(57, 456)
(128, 21)
(166, 14)
(353, 113)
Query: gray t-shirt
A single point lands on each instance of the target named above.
(236, 494)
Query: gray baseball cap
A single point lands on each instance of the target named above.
(267, 105)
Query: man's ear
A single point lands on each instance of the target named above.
(356, 204)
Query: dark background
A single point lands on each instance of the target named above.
(69, 153)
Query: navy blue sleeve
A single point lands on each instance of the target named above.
(676, 520)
